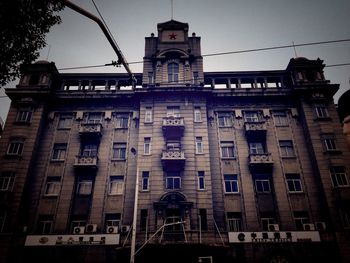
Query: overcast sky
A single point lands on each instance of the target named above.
(223, 25)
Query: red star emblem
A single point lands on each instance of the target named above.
(172, 36)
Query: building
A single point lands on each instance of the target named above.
(232, 166)
(344, 114)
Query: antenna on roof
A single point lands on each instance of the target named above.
(172, 9)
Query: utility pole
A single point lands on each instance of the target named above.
(121, 58)
(133, 233)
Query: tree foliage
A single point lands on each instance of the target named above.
(24, 25)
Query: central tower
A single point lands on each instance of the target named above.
(172, 58)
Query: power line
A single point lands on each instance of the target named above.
(253, 50)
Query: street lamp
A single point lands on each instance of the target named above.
(133, 236)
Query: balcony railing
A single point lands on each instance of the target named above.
(173, 127)
(86, 162)
(255, 129)
(260, 160)
(173, 159)
(90, 129)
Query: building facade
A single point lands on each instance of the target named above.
(231, 166)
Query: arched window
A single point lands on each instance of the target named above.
(173, 72)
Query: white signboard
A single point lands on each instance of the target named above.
(71, 240)
(276, 237)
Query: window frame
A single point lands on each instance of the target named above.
(122, 121)
(251, 119)
(258, 147)
(280, 118)
(197, 114)
(173, 69)
(293, 182)
(7, 181)
(336, 176)
(59, 152)
(199, 145)
(148, 115)
(24, 115)
(172, 179)
(321, 111)
(52, 186)
(227, 148)
(15, 147)
(224, 119)
(119, 151)
(86, 185)
(287, 151)
(145, 181)
(65, 121)
(234, 221)
(231, 185)
(263, 184)
(201, 180)
(116, 185)
(147, 146)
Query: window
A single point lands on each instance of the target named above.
(173, 111)
(144, 219)
(224, 119)
(173, 72)
(15, 147)
(345, 215)
(203, 220)
(24, 115)
(150, 78)
(173, 180)
(294, 183)
(84, 187)
(148, 114)
(122, 121)
(195, 77)
(227, 149)
(65, 121)
(328, 141)
(145, 181)
(78, 221)
(53, 185)
(201, 181)
(251, 116)
(280, 118)
(266, 219)
(45, 224)
(321, 111)
(116, 185)
(113, 219)
(262, 184)
(7, 181)
(199, 145)
(338, 176)
(89, 150)
(301, 218)
(119, 151)
(173, 145)
(197, 114)
(256, 148)
(287, 149)
(147, 145)
(231, 183)
(3, 215)
(234, 221)
(94, 117)
(59, 151)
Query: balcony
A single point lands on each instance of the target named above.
(173, 127)
(255, 130)
(86, 162)
(173, 160)
(261, 161)
(90, 130)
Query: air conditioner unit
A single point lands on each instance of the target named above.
(273, 227)
(320, 225)
(309, 227)
(125, 228)
(112, 229)
(78, 230)
(91, 228)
